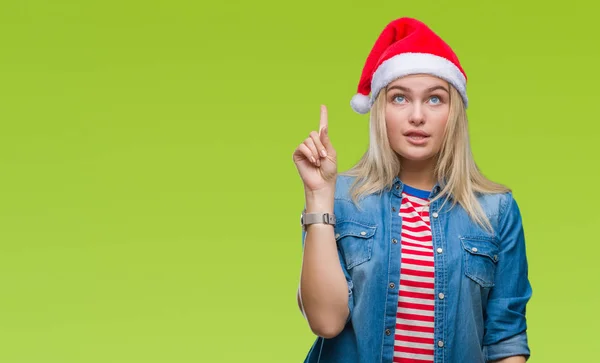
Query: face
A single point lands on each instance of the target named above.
(416, 113)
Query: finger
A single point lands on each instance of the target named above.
(311, 145)
(305, 150)
(324, 118)
(318, 144)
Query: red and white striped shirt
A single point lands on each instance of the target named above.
(414, 340)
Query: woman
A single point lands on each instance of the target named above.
(412, 255)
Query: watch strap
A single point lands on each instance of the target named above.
(314, 218)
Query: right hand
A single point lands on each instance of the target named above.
(317, 171)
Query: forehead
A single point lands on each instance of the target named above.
(418, 81)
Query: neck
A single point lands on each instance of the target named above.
(419, 174)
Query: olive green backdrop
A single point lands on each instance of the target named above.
(149, 204)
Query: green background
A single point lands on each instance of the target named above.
(149, 204)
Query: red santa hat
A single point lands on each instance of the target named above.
(407, 46)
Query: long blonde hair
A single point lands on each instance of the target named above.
(455, 170)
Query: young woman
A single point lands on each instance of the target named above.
(412, 255)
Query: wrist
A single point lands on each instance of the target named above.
(320, 201)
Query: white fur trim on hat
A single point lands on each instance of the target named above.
(360, 103)
(418, 63)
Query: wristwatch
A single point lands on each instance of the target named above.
(313, 218)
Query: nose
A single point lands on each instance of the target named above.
(416, 116)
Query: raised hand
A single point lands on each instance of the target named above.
(315, 158)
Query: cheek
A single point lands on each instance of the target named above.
(393, 123)
(441, 125)
(393, 128)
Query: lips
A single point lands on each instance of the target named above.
(417, 137)
(416, 134)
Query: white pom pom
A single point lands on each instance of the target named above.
(360, 103)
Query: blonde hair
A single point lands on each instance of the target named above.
(455, 170)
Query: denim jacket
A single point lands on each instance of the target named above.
(481, 279)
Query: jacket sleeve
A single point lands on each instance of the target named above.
(505, 322)
(346, 274)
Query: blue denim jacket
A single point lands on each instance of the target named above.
(481, 279)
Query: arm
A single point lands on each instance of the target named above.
(505, 338)
(516, 359)
(323, 294)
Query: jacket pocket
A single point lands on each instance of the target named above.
(355, 240)
(480, 259)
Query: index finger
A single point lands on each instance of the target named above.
(323, 121)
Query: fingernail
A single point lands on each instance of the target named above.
(325, 129)
(312, 159)
(324, 153)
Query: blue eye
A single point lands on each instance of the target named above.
(399, 98)
(435, 100)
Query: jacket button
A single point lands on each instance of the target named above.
(474, 249)
(397, 186)
(363, 233)
(393, 209)
(440, 344)
(439, 250)
(394, 241)
(392, 285)
(434, 214)
(388, 332)
(441, 295)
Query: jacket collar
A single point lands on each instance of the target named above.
(397, 186)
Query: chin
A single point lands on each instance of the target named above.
(416, 156)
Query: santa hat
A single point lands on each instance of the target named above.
(407, 46)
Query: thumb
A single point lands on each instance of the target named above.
(324, 136)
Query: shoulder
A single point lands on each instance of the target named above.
(342, 187)
(365, 209)
(502, 210)
(344, 192)
(495, 204)
(503, 204)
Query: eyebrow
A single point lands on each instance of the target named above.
(430, 89)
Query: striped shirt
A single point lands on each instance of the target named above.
(414, 341)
